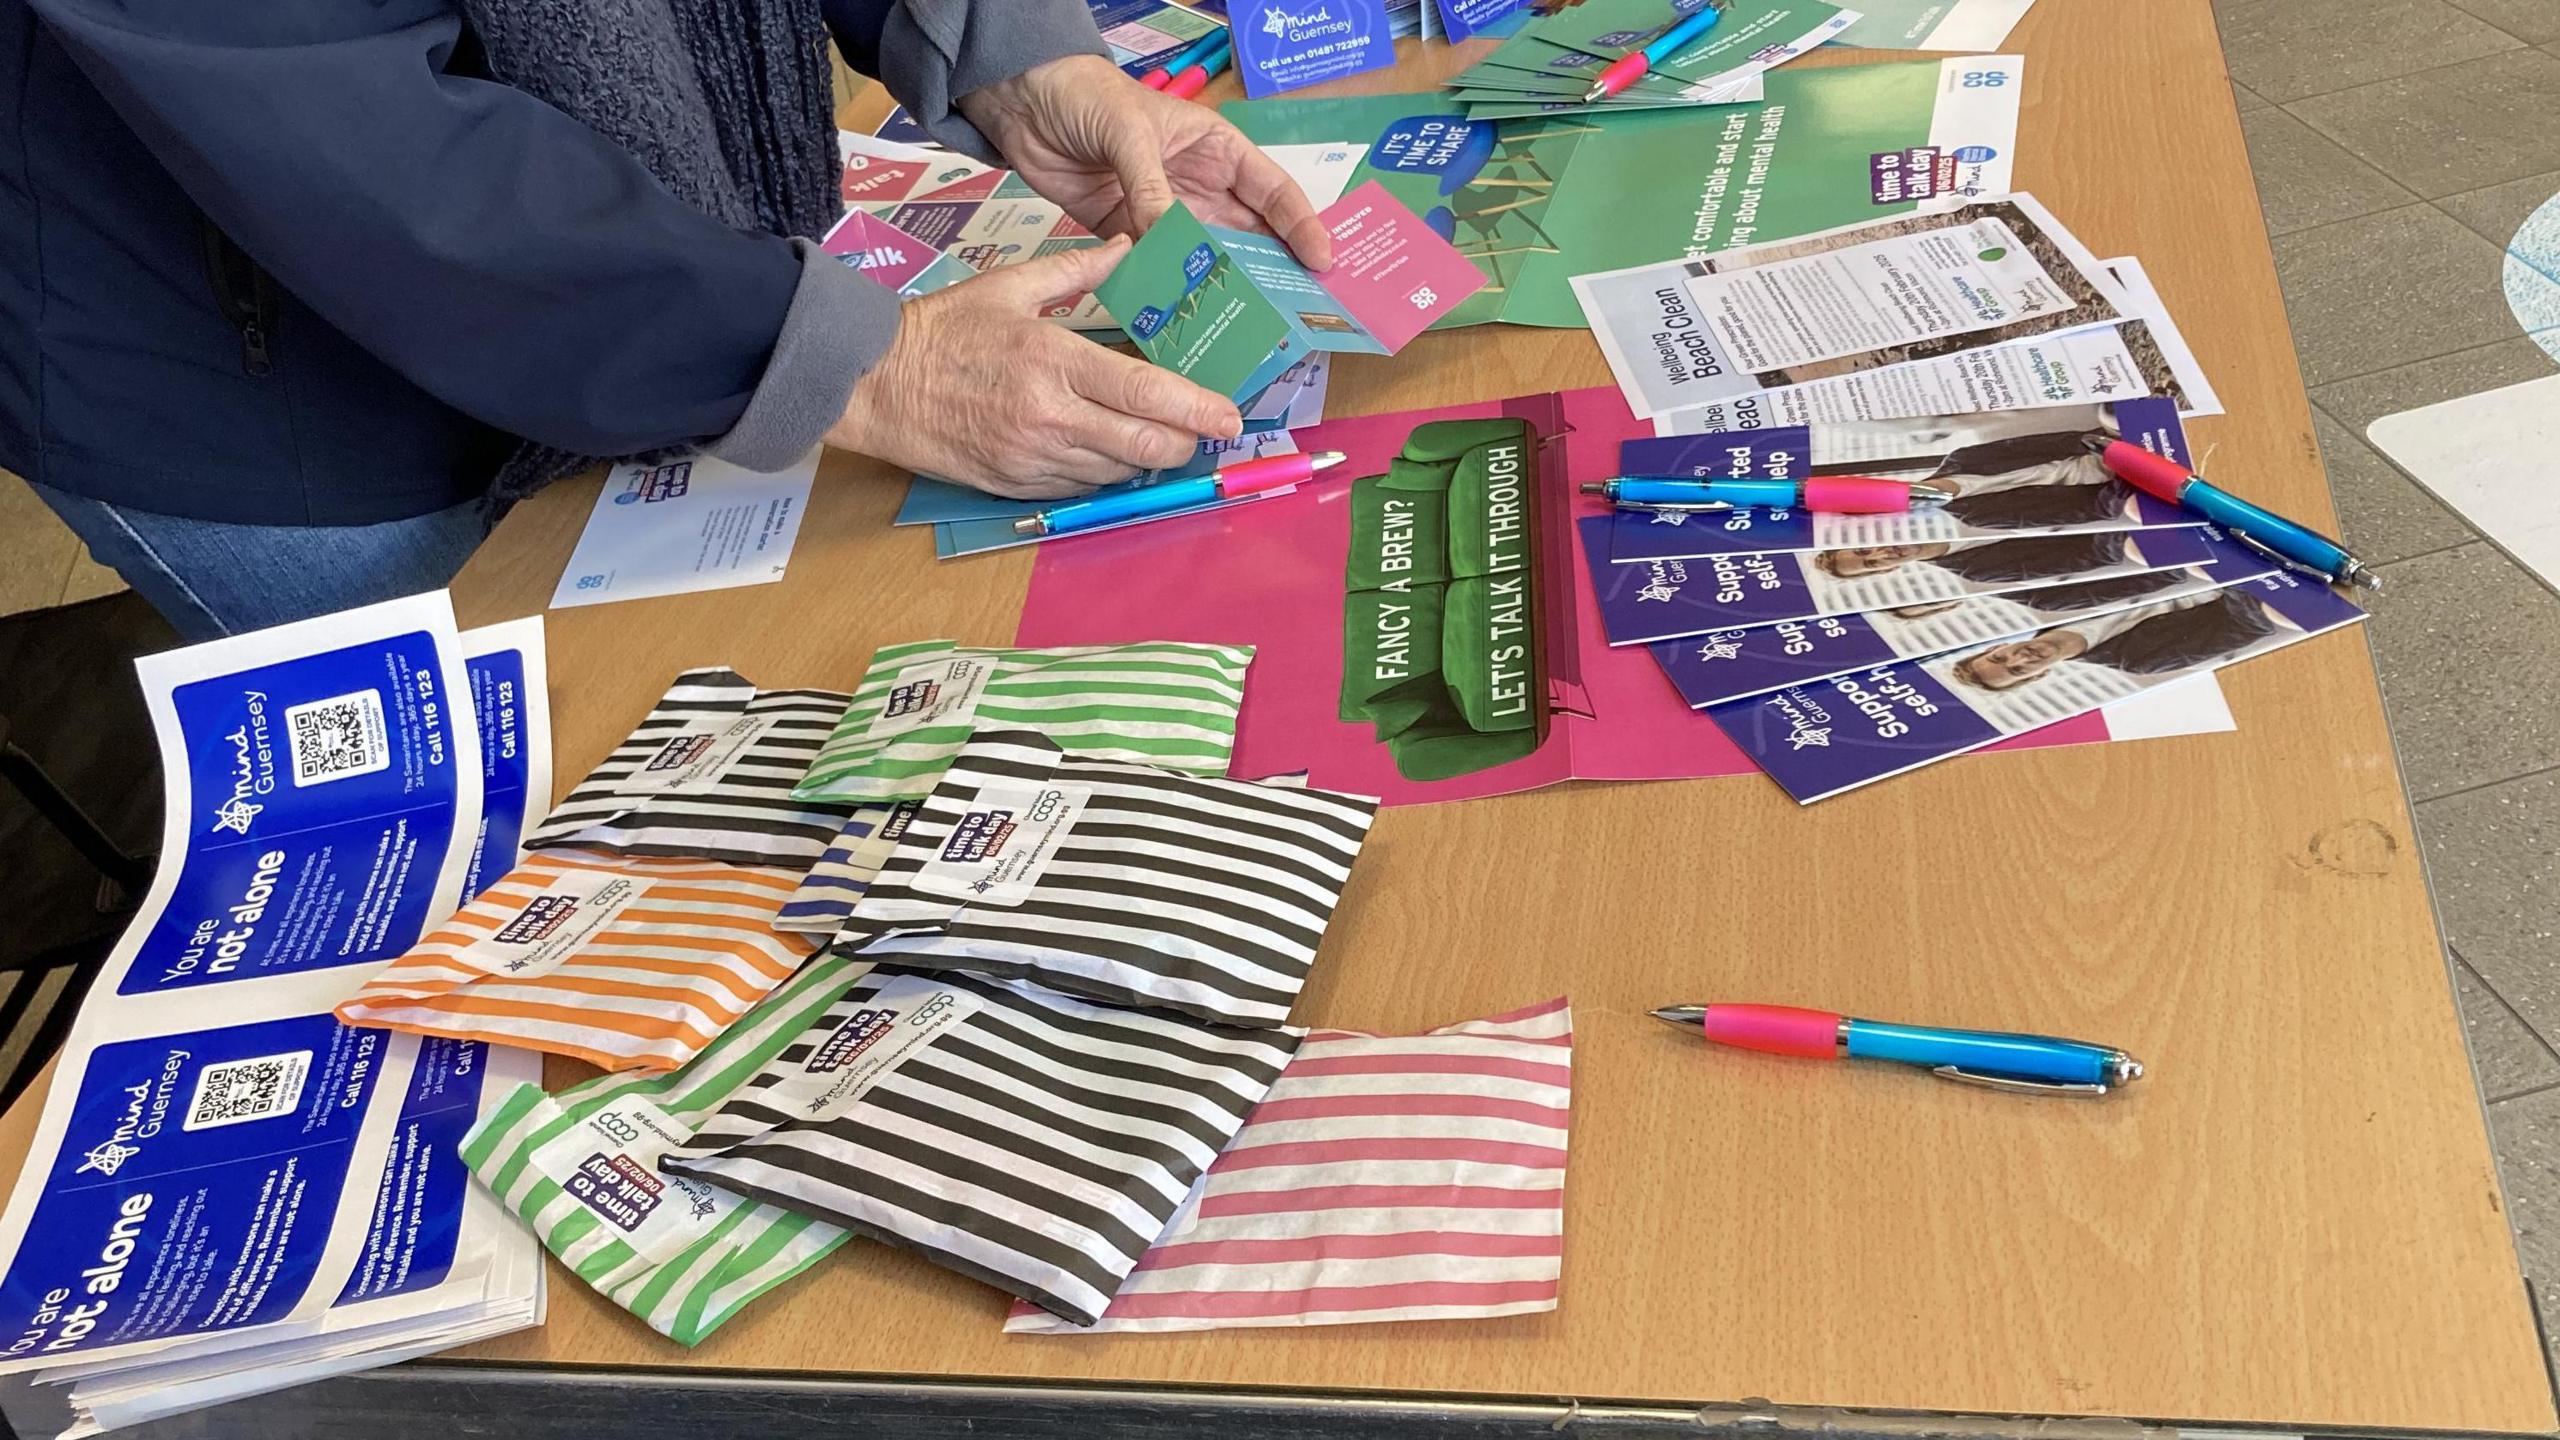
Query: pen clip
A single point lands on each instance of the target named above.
(2287, 561)
(1701, 506)
(2013, 1084)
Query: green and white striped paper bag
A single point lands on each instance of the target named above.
(581, 1168)
(1162, 703)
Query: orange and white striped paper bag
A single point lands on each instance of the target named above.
(1411, 1177)
(629, 964)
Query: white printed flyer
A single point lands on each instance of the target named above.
(1896, 292)
(685, 525)
(2127, 360)
(226, 1186)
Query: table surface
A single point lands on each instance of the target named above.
(2295, 1219)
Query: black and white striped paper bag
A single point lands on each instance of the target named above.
(1028, 1139)
(708, 776)
(1119, 882)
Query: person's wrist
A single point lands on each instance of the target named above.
(1007, 105)
(857, 424)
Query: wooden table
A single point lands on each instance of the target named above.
(2295, 1220)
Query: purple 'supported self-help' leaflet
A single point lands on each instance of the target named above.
(1726, 665)
(1669, 599)
(1819, 740)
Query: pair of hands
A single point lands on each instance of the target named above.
(979, 390)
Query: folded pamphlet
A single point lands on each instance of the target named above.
(1233, 311)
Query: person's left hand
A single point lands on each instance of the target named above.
(1116, 155)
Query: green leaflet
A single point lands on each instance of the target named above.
(1439, 617)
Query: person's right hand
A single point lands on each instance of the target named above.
(978, 390)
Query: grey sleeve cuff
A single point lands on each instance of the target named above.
(838, 327)
(932, 52)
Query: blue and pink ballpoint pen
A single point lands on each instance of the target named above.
(2030, 1064)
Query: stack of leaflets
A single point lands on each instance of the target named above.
(229, 1192)
(1835, 650)
(1549, 65)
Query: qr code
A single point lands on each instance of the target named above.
(336, 738)
(238, 1091)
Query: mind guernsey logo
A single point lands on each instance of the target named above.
(1662, 581)
(235, 814)
(107, 1157)
(253, 768)
(1808, 724)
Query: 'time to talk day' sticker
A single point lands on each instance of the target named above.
(608, 1162)
(937, 692)
(998, 850)
(552, 926)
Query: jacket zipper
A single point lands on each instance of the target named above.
(246, 297)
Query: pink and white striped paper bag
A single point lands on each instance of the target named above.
(1415, 1177)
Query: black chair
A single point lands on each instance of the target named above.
(79, 804)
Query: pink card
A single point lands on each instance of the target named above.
(1393, 272)
(878, 249)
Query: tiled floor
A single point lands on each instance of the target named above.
(41, 563)
(2396, 157)
(2398, 145)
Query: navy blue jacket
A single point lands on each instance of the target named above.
(302, 262)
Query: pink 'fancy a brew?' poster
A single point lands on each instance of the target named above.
(1423, 627)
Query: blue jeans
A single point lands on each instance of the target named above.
(210, 579)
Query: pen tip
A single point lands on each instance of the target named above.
(1327, 459)
(1027, 525)
(1681, 1015)
(2364, 579)
(1930, 496)
(1595, 487)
